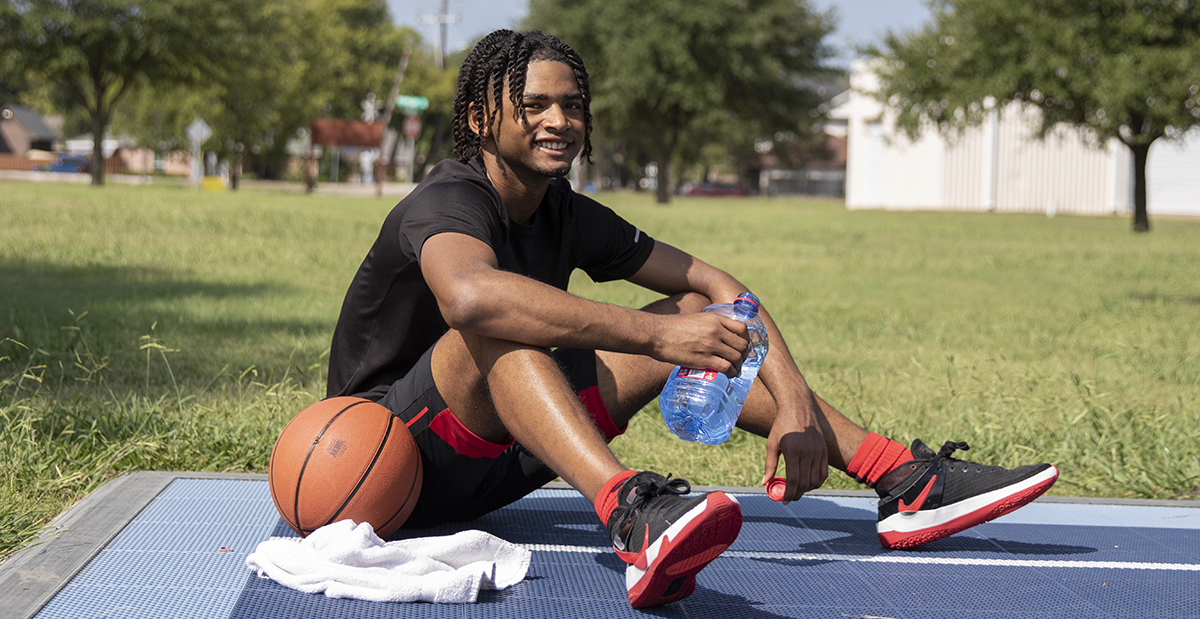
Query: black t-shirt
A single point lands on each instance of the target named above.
(390, 317)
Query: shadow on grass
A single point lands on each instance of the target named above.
(1156, 297)
(120, 313)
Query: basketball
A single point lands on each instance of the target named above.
(345, 458)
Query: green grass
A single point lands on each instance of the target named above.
(163, 328)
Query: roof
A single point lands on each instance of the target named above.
(32, 121)
(339, 132)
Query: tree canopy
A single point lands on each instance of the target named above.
(1123, 69)
(256, 72)
(96, 50)
(664, 72)
(675, 82)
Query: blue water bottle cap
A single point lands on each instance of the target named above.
(748, 298)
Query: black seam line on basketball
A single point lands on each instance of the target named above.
(367, 473)
(304, 467)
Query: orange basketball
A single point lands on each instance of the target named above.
(345, 458)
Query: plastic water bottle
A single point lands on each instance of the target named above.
(701, 404)
(745, 309)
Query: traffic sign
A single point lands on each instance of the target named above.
(412, 103)
(199, 131)
(412, 127)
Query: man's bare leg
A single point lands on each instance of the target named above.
(540, 409)
(499, 388)
(524, 395)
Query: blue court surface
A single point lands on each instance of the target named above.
(156, 545)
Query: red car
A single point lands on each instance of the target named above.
(715, 189)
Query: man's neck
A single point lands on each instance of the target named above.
(521, 193)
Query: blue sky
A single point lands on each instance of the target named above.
(859, 21)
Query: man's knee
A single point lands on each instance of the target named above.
(474, 357)
(681, 303)
(471, 372)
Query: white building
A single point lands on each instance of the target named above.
(1003, 166)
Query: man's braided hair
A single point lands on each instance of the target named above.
(504, 56)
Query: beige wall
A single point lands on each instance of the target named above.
(141, 161)
(18, 137)
(1003, 166)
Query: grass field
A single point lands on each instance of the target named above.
(162, 328)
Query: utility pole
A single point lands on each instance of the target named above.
(443, 18)
(389, 105)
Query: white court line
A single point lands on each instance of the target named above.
(806, 556)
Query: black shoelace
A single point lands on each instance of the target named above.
(648, 487)
(950, 447)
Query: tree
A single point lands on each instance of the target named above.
(354, 50)
(297, 59)
(157, 116)
(97, 49)
(660, 70)
(1123, 69)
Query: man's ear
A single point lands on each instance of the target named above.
(473, 120)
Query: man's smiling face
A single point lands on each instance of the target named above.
(552, 133)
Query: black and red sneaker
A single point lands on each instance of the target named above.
(667, 538)
(935, 496)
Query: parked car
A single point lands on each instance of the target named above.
(715, 189)
(69, 163)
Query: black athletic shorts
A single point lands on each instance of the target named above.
(465, 475)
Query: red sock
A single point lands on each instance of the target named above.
(606, 500)
(876, 457)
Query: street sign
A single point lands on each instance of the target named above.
(412, 103)
(198, 132)
(412, 127)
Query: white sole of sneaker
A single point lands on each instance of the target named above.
(908, 529)
(681, 552)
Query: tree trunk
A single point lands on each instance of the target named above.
(1141, 219)
(662, 152)
(98, 126)
(235, 170)
(662, 194)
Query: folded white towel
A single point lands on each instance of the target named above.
(344, 560)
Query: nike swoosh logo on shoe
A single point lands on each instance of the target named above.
(916, 505)
(642, 562)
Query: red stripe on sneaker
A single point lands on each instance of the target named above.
(920, 497)
(464, 441)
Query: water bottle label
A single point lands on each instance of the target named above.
(708, 375)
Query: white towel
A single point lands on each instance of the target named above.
(344, 560)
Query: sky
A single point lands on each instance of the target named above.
(859, 22)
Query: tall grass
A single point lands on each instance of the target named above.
(162, 328)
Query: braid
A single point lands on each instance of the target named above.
(503, 57)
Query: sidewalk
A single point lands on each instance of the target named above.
(389, 190)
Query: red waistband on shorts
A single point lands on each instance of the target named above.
(464, 441)
(446, 425)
